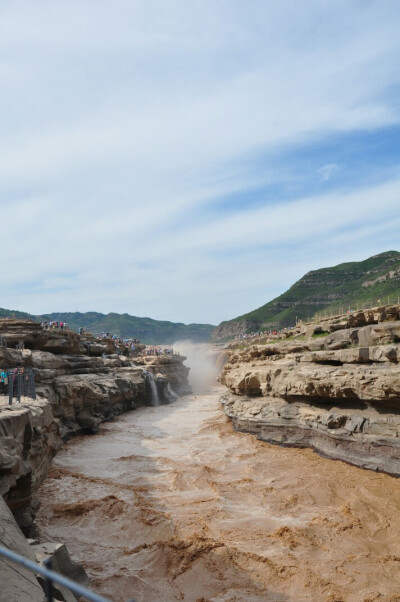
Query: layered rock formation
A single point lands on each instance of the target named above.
(80, 382)
(333, 386)
(171, 368)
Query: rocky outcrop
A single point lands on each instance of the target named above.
(80, 382)
(29, 438)
(62, 563)
(67, 404)
(334, 386)
(169, 366)
(360, 435)
(75, 393)
(35, 337)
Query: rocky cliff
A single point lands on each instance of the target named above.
(333, 386)
(80, 382)
(171, 368)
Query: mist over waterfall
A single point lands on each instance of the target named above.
(205, 362)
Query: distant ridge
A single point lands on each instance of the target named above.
(149, 331)
(327, 289)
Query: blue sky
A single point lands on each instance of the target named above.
(189, 160)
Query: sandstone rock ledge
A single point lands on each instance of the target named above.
(80, 382)
(75, 393)
(339, 394)
(169, 366)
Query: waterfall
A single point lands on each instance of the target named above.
(170, 393)
(150, 380)
(205, 361)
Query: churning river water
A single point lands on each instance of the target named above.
(169, 503)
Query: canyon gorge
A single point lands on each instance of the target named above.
(172, 502)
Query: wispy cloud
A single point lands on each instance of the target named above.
(167, 159)
(327, 171)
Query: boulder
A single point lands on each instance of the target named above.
(62, 563)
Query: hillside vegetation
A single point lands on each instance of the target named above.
(335, 289)
(149, 331)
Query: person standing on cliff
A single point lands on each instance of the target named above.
(4, 382)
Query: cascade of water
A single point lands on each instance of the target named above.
(154, 396)
(170, 393)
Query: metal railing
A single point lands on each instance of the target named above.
(51, 577)
(18, 382)
(355, 305)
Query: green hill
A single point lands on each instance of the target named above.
(348, 285)
(149, 331)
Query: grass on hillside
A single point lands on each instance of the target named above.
(328, 290)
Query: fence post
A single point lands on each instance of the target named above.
(32, 388)
(10, 388)
(25, 390)
(19, 383)
(48, 584)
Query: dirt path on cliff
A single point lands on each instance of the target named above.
(169, 504)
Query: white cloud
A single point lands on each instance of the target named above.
(327, 171)
(122, 126)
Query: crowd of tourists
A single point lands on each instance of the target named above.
(159, 351)
(130, 343)
(261, 333)
(54, 325)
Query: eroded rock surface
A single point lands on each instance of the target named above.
(334, 387)
(80, 381)
(169, 366)
(76, 390)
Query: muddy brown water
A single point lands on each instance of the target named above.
(169, 503)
